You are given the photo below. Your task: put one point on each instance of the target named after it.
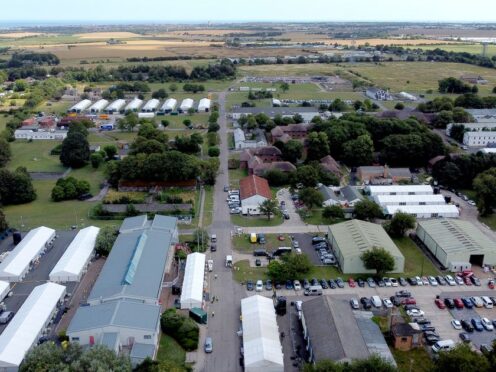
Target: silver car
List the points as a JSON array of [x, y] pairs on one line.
[[208, 345]]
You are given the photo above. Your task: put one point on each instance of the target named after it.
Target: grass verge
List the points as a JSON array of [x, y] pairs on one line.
[[252, 221], [415, 261], [171, 352], [416, 360]]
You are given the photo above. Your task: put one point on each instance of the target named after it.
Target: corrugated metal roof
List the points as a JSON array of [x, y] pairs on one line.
[[414, 189], [355, 237], [398, 199], [458, 236], [446, 210], [166, 223], [110, 340], [142, 351], [133, 223]]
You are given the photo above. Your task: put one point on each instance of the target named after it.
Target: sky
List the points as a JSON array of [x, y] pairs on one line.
[[164, 11]]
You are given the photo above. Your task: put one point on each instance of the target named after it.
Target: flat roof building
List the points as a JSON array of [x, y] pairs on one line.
[[351, 239], [399, 190], [307, 113], [194, 277], [385, 200], [457, 241], [424, 211]]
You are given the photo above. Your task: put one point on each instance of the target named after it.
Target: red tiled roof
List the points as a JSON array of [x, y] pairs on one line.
[[254, 185]]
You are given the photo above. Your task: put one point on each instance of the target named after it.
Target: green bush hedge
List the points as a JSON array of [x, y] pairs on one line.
[[183, 329]]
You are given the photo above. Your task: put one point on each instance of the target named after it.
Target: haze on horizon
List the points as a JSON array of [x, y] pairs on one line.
[[160, 11]]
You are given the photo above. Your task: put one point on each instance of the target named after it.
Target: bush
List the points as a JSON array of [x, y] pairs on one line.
[[213, 151], [56, 150], [96, 159], [183, 329], [399, 106], [333, 211], [105, 240], [69, 188]]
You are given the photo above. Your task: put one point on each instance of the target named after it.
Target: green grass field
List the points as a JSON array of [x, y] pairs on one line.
[[235, 175], [314, 217], [489, 221], [253, 221], [170, 351], [415, 259], [208, 208], [242, 243], [35, 156], [416, 360], [50, 107], [461, 47], [3, 121]]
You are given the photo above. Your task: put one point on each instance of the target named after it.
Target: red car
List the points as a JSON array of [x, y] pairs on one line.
[[490, 284], [467, 280], [440, 303], [409, 301], [351, 283], [458, 303]]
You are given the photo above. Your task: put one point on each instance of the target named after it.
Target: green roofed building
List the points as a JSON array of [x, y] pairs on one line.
[[456, 243], [351, 238]]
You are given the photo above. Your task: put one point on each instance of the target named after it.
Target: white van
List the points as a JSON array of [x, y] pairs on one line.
[[313, 290], [376, 301], [229, 261], [443, 345], [213, 239], [210, 265], [488, 304]]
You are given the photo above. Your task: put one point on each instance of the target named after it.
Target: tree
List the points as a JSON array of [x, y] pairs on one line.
[[461, 359], [173, 87], [3, 222], [183, 329], [69, 188], [400, 224], [359, 151], [75, 150], [292, 151], [269, 207], [105, 240], [318, 146], [290, 266], [399, 106], [333, 212], [284, 87], [201, 239], [129, 122], [16, 187], [5, 153], [110, 151], [485, 188], [338, 105], [307, 175], [367, 210], [311, 198], [160, 94], [378, 259], [96, 159], [457, 132], [187, 123]]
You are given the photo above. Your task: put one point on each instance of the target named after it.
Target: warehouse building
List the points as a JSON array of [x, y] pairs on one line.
[[17, 264], [479, 139], [151, 105], [424, 211], [351, 238], [194, 277], [456, 243], [261, 343], [385, 200], [134, 105], [80, 106], [115, 106], [204, 105], [76, 258], [98, 106], [28, 325], [399, 190], [186, 105], [168, 106]]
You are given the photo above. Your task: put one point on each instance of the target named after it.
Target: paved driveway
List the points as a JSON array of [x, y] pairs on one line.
[[294, 217]]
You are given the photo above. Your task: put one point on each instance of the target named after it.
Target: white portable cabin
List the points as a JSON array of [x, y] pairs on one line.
[[151, 105], [80, 106], [98, 106], [18, 262], [27, 326], [134, 105], [194, 276], [204, 105], [186, 104], [115, 106], [146, 115], [424, 211], [399, 190], [261, 343], [169, 106], [74, 261]]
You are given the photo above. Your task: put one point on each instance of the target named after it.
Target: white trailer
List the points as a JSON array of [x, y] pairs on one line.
[[204, 105], [115, 106], [186, 104]]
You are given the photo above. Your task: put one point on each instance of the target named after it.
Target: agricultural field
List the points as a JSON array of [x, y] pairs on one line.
[[465, 48]]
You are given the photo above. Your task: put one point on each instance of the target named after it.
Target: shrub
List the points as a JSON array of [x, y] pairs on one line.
[[105, 240], [213, 151], [183, 329], [69, 188], [56, 150]]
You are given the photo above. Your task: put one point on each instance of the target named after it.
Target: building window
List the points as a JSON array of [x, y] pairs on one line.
[[75, 339], [404, 339], [147, 337]]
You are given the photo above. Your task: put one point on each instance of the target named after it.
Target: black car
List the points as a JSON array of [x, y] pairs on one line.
[[431, 333], [403, 293], [450, 304], [412, 281], [477, 324], [249, 285], [332, 284], [402, 282], [411, 307], [475, 281], [467, 302], [381, 283], [361, 283], [366, 303], [340, 283], [467, 326], [427, 328], [285, 215], [278, 285], [422, 321], [314, 281], [465, 337], [289, 284], [213, 248], [323, 284], [431, 340], [319, 246], [395, 300]]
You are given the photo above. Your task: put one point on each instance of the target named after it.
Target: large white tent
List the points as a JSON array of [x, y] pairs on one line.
[[425, 211], [72, 264], [28, 324], [80, 106], [261, 344], [4, 289], [204, 105], [192, 291], [17, 263]]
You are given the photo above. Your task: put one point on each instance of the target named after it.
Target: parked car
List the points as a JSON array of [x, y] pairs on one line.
[[371, 282], [412, 281], [259, 286], [306, 284], [465, 337], [387, 303], [467, 280], [450, 280], [439, 303], [351, 283], [477, 301], [249, 285], [409, 301], [441, 280], [332, 284], [467, 326], [450, 304], [340, 283], [467, 302], [297, 285], [487, 324], [208, 347], [381, 283], [366, 303], [458, 303], [477, 324], [432, 281], [415, 313], [419, 281], [354, 304], [456, 324], [387, 282], [258, 262], [323, 284], [425, 280], [318, 239], [361, 283], [476, 281], [268, 285], [458, 280], [289, 284], [403, 293], [402, 281], [394, 282]]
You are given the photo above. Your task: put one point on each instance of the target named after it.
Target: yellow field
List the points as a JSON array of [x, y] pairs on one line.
[[386, 41], [211, 32], [18, 35], [108, 35]]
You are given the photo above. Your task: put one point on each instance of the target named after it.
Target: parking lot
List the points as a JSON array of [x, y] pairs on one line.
[[305, 244]]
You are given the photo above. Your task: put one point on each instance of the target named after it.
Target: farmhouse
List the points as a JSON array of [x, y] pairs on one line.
[[241, 143], [351, 238], [383, 175], [456, 243], [288, 132], [253, 191], [267, 154], [333, 332]]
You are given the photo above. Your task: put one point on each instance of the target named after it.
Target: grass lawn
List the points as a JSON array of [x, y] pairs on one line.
[[235, 175], [416, 360], [3, 121], [176, 121], [169, 350], [414, 259], [208, 208], [489, 221], [94, 176], [51, 107], [242, 243], [255, 221], [315, 218], [35, 156], [460, 47]]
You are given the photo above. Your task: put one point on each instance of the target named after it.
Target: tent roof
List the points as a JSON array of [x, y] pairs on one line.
[[261, 342], [23, 330], [77, 254], [193, 278], [22, 255]]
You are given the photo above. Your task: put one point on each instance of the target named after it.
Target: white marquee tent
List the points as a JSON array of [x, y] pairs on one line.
[[28, 324], [4, 289], [192, 291], [71, 265], [261, 344], [17, 263]]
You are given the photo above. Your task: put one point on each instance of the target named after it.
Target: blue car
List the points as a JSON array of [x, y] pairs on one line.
[[477, 324], [289, 284], [467, 302]]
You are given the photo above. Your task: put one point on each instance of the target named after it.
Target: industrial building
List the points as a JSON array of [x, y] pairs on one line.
[[98, 106], [17, 264], [186, 105], [115, 106], [352, 238], [80, 106], [28, 134], [28, 325], [261, 343], [400, 200], [424, 211], [168, 106], [204, 105], [151, 105], [399, 190], [456, 243], [241, 143], [307, 113], [479, 139], [194, 277], [73, 263], [134, 105], [333, 332], [123, 308], [473, 127]]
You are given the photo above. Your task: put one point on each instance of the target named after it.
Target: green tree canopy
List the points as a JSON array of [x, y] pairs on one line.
[[333, 212], [461, 359], [292, 151], [378, 259], [311, 197], [75, 150], [485, 188], [269, 208], [367, 210], [400, 224], [290, 266], [318, 146], [105, 240], [5, 153]]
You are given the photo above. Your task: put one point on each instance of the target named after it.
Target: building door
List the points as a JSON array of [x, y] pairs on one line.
[[477, 259]]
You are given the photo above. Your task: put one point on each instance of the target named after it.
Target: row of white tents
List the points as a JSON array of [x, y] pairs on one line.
[[151, 106]]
